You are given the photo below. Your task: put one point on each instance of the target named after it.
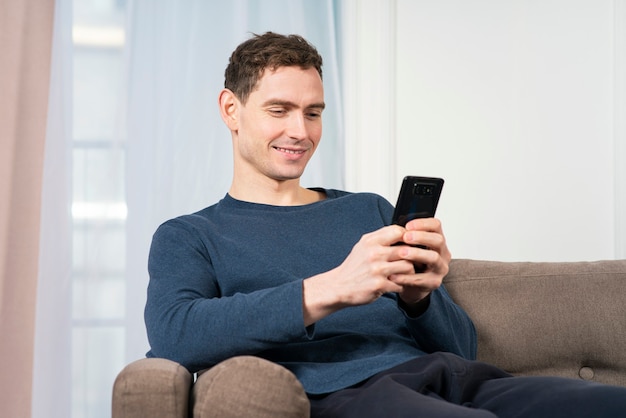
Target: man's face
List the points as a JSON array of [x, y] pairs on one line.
[[280, 125]]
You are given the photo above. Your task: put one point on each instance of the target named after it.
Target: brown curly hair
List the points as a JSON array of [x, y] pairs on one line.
[[268, 51]]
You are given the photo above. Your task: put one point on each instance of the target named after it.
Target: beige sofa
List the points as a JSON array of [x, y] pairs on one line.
[[564, 319]]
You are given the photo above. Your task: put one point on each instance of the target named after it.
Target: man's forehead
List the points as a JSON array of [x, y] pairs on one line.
[[290, 84], [285, 73]]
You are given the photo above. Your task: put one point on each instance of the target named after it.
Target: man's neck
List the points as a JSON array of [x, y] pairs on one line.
[[276, 193]]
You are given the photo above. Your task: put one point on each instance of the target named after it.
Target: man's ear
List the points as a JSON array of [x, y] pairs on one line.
[[229, 106]]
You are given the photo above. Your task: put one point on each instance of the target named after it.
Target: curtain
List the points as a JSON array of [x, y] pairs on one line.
[[25, 32], [52, 358], [160, 141]]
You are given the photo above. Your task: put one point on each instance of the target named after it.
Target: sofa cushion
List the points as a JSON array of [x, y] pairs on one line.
[[561, 318]]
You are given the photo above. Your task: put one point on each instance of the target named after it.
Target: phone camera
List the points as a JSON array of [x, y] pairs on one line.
[[423, 189]]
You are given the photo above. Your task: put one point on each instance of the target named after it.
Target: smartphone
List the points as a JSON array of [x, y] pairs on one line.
[[418, 198]]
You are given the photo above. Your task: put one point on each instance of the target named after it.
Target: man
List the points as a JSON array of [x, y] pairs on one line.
[[311, 278]]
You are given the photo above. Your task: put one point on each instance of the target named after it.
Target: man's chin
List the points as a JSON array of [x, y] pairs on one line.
[[290, 173], [288, 177]]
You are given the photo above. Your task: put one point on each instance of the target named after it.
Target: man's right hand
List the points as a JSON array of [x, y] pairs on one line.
[[362, 278]]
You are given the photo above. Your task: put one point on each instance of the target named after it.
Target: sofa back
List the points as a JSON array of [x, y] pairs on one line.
[[549, 318]]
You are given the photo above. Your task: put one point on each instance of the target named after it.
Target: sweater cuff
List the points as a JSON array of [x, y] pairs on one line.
[[416, 310]]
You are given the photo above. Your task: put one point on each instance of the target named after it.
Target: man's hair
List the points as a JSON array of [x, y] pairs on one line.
[[270, 51]]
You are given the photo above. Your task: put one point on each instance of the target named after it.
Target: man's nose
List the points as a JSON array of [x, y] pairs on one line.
[[296, 127]]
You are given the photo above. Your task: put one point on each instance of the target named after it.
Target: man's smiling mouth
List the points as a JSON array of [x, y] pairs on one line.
[[289, 151]]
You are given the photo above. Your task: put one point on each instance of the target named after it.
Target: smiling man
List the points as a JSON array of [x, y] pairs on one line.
[[310, 279]]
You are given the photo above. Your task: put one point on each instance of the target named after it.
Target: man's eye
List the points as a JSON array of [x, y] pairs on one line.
[[277, 112], [313, 115]]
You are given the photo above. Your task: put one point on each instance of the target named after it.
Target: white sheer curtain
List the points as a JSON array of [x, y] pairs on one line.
[[126, 152], [52, 357]]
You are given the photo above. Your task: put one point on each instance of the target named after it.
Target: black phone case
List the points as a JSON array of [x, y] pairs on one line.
[[418, 198]]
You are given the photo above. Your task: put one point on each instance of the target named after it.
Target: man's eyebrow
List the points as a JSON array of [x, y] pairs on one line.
[[321, 106], [291, 105]]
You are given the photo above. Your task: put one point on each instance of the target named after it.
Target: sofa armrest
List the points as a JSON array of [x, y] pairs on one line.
[[152, 387], [247, 386], [550, 318]]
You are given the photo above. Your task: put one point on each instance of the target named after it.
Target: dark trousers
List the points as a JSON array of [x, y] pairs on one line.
[[445, 385]]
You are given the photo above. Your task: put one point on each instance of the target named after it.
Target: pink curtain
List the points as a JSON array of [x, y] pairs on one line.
[[25, 46]]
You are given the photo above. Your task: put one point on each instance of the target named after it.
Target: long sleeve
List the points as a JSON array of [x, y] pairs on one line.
[[444, 326], [191, 322]]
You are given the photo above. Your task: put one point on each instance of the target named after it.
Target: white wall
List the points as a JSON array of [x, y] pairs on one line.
[[517, 104]]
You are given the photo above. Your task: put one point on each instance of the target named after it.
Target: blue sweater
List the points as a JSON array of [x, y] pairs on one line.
[[227, 281]]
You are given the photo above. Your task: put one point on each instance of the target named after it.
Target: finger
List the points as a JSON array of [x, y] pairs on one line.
[[431, 240], [425, 259], [386, 236], [425, 224], [426, 282], [401, 266], [411, 253]]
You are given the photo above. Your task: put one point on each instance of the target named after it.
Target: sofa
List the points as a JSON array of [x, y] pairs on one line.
[[532, 318]]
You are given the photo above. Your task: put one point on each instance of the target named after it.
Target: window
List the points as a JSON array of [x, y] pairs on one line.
[[98, 204]]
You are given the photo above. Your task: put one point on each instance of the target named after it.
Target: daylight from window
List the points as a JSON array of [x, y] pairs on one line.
[[98, 204]]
